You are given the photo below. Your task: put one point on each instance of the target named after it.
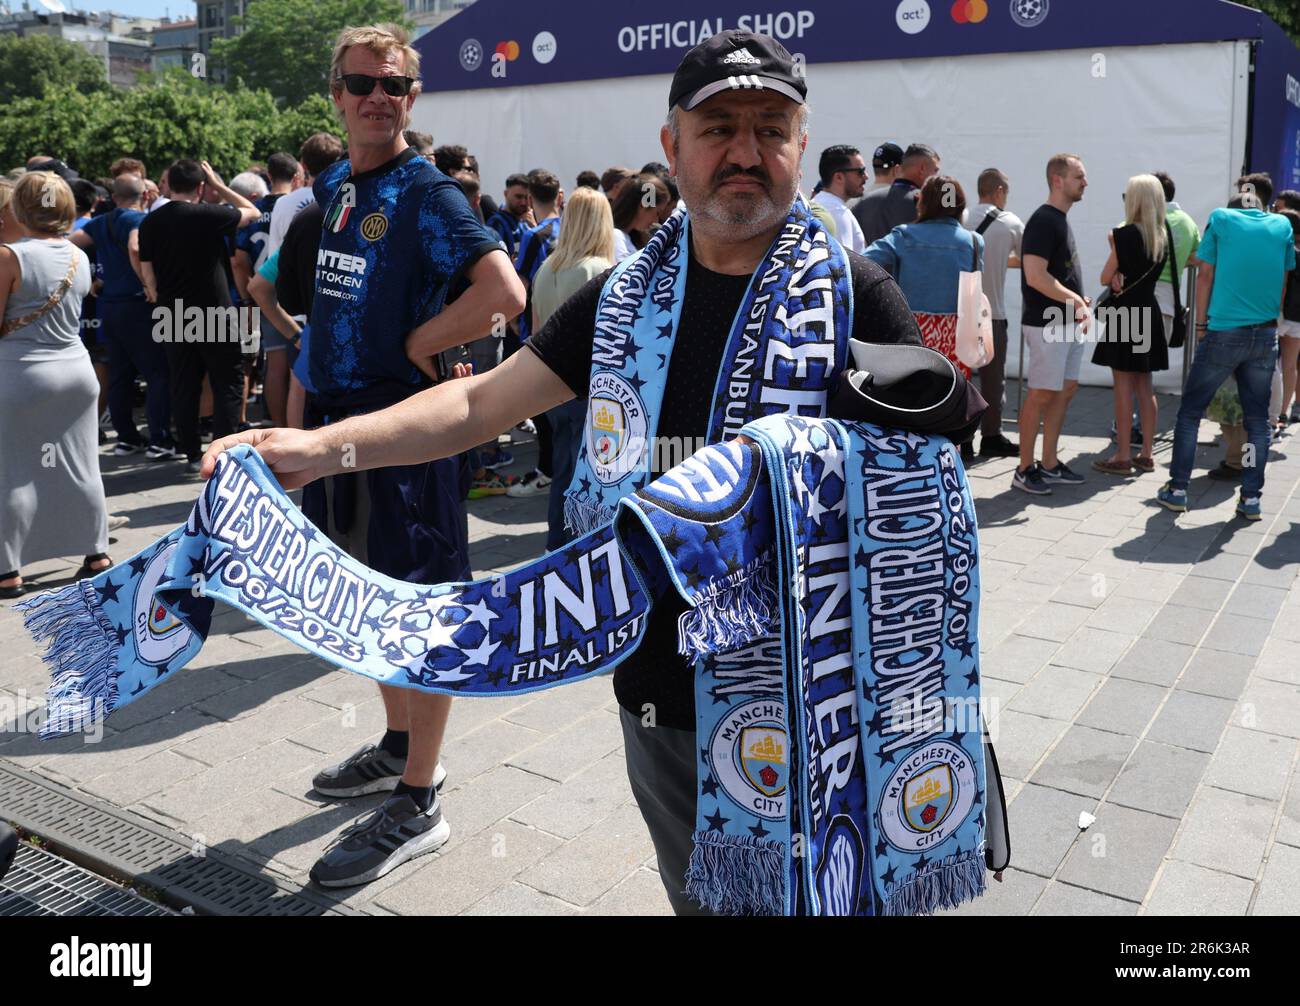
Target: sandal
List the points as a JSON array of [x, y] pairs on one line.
[[1113, 467], [1142, 464], [87, 571]]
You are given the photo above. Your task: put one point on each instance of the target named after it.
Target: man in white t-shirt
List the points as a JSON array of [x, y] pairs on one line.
[[1002, 231], [318, 152], [843, 176]]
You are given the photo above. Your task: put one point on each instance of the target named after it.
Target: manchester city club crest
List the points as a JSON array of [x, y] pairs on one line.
[[609, 429], [928, 797], [749, 753], [159, 635], [616, 428]]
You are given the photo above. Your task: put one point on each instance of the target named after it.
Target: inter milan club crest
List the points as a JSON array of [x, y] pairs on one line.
[[616, 428], [374, 226], [159, 635], [928, 797], [341, 211], [749, 754]]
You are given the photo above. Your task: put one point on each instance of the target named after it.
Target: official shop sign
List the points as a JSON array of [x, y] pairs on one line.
[[686, 34]]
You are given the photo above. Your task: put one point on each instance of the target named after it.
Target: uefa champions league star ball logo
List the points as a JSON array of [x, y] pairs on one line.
[[471, 54], [442, 631], [1029, 13]]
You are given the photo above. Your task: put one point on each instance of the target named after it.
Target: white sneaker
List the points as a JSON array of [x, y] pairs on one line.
[[532, 484]]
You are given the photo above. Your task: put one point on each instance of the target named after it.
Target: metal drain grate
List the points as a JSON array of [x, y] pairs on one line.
[[121, 844], [39, 883]]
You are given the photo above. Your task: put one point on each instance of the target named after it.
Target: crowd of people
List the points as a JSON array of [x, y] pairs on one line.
[[358, 339]]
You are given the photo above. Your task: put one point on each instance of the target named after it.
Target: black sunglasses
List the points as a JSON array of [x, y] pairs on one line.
[[362, 84], [857, 171]]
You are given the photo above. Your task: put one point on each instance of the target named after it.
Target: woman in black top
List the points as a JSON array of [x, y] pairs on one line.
[[1131, 331], [1288, 331]]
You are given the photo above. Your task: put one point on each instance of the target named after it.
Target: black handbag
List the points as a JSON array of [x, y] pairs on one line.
[[1179, 334]]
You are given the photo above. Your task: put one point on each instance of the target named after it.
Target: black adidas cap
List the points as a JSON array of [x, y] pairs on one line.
[[887, 155], [736, 60]]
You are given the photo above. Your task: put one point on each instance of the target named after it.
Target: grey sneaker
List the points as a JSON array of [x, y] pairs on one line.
[[379, 842], [1061, 473], [370, 769]]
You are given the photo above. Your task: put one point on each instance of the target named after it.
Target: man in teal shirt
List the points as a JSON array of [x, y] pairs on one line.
[[1244, 257]]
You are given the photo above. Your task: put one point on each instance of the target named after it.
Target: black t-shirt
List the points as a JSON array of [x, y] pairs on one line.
[[186, 242], [1291, 302], [1048, 235], [656, 674], [295, 284]]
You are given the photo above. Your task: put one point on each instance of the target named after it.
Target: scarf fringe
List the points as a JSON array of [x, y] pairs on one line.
[[946, 884], [730, 612], [82, 653], [736, 875], [583, 514]]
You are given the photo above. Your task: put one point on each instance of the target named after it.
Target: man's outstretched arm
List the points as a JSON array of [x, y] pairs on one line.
[[444, 420]]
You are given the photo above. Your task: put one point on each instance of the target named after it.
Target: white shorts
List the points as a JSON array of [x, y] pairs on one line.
[[1289, 329], [1055, 356]]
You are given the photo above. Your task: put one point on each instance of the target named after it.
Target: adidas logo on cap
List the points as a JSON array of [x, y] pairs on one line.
[[741, 56]]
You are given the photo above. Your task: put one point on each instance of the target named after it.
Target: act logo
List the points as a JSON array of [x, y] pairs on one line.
[[471, 54], [970, 11], [913, 16], [1029, 13], [544, 47]]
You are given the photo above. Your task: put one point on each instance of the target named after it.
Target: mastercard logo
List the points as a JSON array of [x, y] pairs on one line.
[[970, 11], [510, 50]]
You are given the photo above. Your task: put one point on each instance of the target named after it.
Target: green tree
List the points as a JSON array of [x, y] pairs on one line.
[[285, 45], [30, 64], [315, 114], [1285, 12]]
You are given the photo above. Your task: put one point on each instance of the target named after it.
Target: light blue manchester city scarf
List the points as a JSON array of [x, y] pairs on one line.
[[828, 572]]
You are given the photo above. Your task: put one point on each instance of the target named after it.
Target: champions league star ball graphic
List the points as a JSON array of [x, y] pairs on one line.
[[471, 54], [437, 637], [1029, 13]]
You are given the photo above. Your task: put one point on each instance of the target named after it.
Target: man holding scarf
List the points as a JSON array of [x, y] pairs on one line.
[[677, 346]]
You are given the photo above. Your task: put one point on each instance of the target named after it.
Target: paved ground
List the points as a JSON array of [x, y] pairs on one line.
[[1140, 669]]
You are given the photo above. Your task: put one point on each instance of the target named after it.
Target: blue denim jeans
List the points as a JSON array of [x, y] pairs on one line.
[[1249, 354], [128, 331], [567, 425]]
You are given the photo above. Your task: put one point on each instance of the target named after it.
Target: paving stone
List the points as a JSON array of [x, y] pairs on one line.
[[1188, 889], [582, 870], [189, 688], [1201, 592], [449, 884], [1122, 706], [1280, 882], [247, 820], [1270, 706], [341, 689], [1128, 615], [1091, 649], [1064, 899], [298, 845], [593, 794], [120, 749], [1213, 672], [640, 894], [1160, 779], [559, 707], [483, 801], [1054, 621], [519, 899], [1238, 634], [1177, 624], [1154, 661], [342, 731], [1189, 720], [219, 741], [230, 780], [1085, 761], [1020, 740], [1018, 658], [1255, 601], [1015, 895], [1087, 590], [1051, 570], [1226, 832], [1057, 692], [1289, 827], [483, 749], [1120, 853], [566, 752], [1223, 566], [1044, 824], [141, 779], [1253, 763], [1278, 661]]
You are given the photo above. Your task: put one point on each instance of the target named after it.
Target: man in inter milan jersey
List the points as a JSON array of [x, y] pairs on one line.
[[398, 242], [736, 151], [512, 216]]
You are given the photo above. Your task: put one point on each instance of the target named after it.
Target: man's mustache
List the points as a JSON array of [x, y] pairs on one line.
[[756, 173]]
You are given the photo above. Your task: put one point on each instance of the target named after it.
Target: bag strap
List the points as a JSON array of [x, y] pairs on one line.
[[1173, 256], [974, 255], [988, 220], [1146, 275], [13, 324]]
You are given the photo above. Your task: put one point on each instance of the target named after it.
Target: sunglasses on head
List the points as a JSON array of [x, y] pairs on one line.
[[362, 84]]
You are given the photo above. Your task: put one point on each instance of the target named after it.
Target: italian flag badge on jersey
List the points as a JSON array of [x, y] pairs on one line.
[[338, 216]]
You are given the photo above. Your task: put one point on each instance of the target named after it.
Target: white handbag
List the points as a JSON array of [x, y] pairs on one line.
[[974, 318]]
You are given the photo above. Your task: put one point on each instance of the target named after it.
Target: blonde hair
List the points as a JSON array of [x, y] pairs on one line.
[[1144, 207], [587, 231], [378, 38], [6, 193], [42, 202]]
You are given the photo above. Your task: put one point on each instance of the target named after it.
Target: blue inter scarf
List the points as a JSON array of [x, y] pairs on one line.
[[787, 345], [838, 774]]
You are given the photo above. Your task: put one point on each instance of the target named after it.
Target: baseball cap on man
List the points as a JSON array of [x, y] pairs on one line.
[[57, 167], [736, 60], [887, 155]]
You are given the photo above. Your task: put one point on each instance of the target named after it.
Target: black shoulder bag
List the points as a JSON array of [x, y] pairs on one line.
[[1179, 334]]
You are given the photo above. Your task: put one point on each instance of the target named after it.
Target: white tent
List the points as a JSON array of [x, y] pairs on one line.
[[586, 90]]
